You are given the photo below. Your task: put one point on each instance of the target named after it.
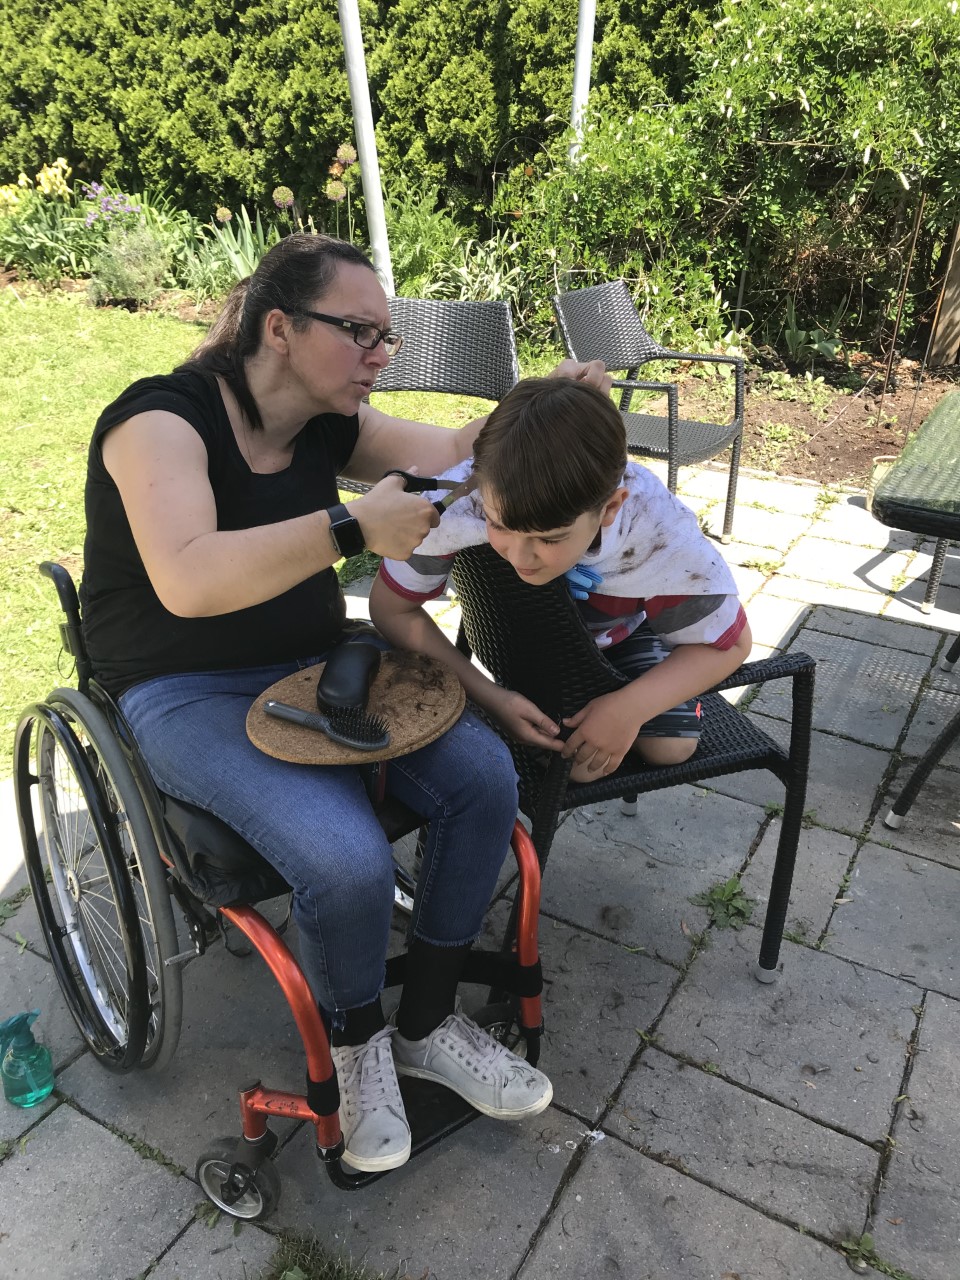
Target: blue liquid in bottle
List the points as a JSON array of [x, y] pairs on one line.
[[27, 1068]]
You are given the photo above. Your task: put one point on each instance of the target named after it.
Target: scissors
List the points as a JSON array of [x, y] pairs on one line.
[[426, 484]]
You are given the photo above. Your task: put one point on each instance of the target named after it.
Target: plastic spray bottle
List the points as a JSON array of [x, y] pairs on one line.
[[27, 1068]]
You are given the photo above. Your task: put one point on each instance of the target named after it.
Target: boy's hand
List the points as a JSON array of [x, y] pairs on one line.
[[521, 719], [602, 734]]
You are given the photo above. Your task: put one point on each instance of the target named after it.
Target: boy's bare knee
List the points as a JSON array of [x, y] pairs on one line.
[[665, 750]]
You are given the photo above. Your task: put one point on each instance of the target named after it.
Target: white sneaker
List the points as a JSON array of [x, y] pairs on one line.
[[372, 1119], [461, 1055]]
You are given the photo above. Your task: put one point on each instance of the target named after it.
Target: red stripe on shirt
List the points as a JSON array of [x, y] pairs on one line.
[[656, 604], [732, 633], [616, 606], [407, 594]]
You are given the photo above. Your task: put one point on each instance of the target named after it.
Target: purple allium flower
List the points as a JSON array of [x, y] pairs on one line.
[[335, 190], [223, 214], [346, 154], [282, 197]]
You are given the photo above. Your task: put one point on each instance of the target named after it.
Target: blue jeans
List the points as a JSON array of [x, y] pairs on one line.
[[316, 826]]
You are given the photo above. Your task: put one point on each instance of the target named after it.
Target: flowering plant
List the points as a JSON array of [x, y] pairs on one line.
[[108, 208], [343, 177]]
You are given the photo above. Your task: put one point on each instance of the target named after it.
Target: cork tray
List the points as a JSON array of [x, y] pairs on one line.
[[418, 697]]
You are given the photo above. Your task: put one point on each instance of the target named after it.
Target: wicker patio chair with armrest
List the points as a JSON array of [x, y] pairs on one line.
[[533, 640], [602, 323], [461, 348]]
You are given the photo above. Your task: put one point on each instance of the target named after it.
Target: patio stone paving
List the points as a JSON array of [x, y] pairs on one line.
[[703, 1125]]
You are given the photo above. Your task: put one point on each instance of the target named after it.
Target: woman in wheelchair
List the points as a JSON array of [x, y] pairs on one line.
[[213, 525]]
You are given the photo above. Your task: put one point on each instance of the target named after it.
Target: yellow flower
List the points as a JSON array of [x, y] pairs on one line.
[[23, 180], [52, 179]]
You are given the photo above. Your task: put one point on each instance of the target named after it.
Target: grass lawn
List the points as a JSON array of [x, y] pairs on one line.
[[61, 362]]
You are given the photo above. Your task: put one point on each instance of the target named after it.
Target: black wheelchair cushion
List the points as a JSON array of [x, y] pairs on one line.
[[220, 868], [213, 861]]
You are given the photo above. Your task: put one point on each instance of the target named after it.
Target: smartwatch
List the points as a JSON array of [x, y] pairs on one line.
[[345, 531]]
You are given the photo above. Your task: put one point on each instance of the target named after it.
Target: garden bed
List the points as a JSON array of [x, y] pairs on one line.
[[829, 427]]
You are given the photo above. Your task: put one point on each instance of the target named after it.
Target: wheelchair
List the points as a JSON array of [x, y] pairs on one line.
[[108, 856]]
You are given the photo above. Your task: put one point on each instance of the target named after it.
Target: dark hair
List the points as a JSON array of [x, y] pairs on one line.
[[551, 450], [296, 271]]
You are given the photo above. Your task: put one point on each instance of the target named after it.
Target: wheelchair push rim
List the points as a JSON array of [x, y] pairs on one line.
[[128, 814], [88, 911]]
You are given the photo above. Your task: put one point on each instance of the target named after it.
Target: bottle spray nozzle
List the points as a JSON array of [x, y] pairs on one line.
[[16, 1031]]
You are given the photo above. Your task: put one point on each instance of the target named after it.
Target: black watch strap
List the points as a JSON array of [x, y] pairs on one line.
[[345, 531]]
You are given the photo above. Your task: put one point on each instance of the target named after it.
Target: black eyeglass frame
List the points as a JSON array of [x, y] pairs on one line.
[[355, 327]]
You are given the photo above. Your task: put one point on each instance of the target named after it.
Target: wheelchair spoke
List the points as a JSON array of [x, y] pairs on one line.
[[112, 973], [104, 934]]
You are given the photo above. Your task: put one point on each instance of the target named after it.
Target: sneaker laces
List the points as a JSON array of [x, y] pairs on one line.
[[488, 1054], [371, 1080]]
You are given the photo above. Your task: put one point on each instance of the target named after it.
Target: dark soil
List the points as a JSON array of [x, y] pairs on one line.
[[828, 427]]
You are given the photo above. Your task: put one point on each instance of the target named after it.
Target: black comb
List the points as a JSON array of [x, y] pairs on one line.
[[350, 726]]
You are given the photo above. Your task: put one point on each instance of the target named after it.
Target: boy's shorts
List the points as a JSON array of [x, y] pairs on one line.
[[640, 651]]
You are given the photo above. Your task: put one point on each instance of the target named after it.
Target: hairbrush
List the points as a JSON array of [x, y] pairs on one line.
[[350, 726]]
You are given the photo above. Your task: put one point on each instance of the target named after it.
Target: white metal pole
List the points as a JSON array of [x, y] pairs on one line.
[[366, 142], [582, 64]]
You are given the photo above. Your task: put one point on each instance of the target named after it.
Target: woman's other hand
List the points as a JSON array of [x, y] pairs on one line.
[[590, 371]]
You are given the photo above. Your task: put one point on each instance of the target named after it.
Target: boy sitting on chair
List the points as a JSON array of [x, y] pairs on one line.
[[555, 495]]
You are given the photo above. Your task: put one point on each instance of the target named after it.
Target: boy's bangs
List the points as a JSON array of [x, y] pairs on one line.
[[538, 494]]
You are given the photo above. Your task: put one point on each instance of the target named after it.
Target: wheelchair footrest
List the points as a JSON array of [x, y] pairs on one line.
[[433, 1111]]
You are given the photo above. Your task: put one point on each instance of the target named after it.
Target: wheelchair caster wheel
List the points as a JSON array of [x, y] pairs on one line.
[[500, 1022], [250, 1194]]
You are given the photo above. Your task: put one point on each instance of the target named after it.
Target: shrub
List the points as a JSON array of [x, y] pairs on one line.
[[129, 267], [421, 235], [165, 95]]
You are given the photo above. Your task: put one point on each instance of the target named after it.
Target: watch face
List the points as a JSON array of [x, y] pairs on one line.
[[348, 536]]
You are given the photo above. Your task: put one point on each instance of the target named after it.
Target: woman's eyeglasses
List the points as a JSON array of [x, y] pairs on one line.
[[364, 335]]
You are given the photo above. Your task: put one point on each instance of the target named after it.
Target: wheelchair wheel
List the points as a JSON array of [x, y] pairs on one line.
[[79, 862], [260, 1194], [82, 893], [145, 867], [500, 1021]]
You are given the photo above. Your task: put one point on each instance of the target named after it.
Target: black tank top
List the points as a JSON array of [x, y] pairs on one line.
[[129, 635]]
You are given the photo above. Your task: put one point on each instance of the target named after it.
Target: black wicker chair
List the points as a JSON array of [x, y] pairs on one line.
[[504, 622], [461, 348], [602, 323]]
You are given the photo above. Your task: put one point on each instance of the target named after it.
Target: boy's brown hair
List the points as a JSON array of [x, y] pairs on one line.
[[551, 450]]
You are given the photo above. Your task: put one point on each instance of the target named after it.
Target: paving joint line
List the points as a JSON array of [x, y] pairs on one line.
[[771, 1214], [877, 1145]]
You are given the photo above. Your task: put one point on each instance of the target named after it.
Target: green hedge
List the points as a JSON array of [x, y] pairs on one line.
[[778, 146], [217, 103], [220, 103]]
